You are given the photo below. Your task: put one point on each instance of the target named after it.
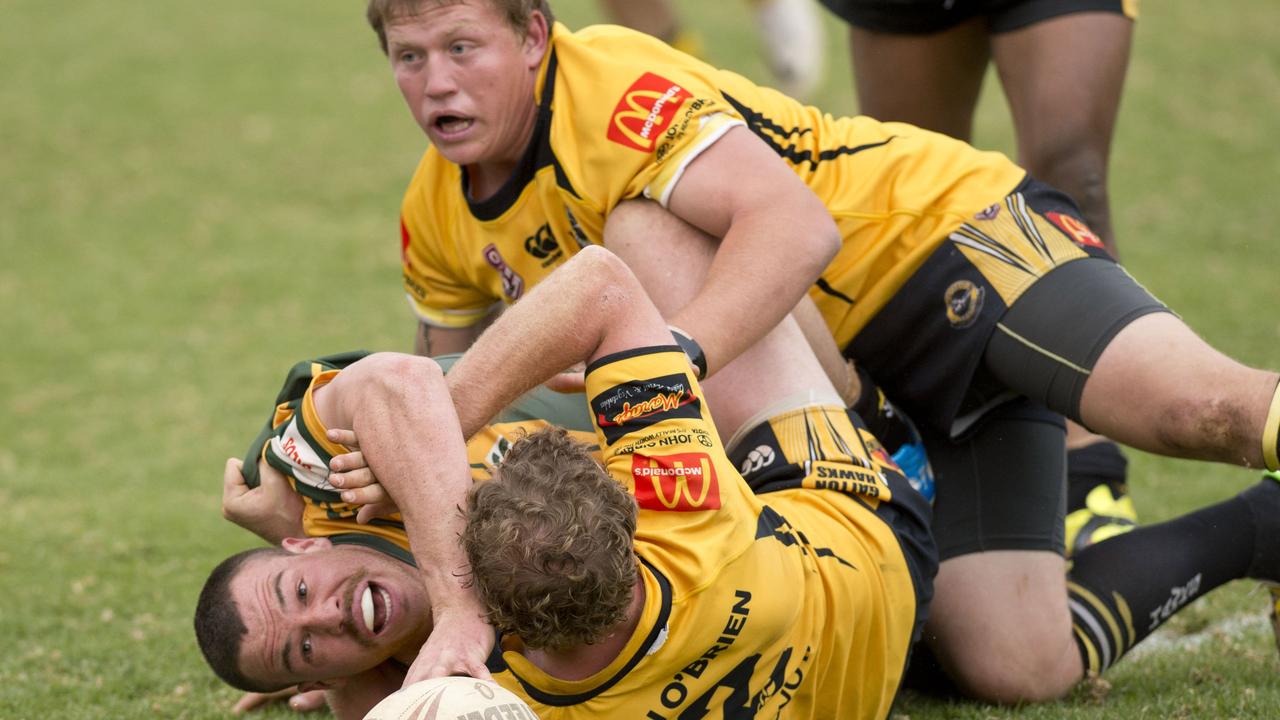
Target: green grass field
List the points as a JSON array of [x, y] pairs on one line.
[[195, 195]]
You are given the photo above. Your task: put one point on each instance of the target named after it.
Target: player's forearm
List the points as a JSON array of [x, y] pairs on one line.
[[763, 268], [357, 696], [583, 310], [399, 407]]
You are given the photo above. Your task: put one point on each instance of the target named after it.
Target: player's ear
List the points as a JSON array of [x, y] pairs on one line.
[[535, 39], [298, 546]]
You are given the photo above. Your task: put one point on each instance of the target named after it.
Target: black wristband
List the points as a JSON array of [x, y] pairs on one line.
[[692, 350]]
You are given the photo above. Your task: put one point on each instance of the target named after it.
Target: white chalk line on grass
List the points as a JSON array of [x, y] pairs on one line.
[[1163, 641]]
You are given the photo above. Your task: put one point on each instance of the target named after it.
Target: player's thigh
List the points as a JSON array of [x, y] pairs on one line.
[[931, 80], [1063, 78]]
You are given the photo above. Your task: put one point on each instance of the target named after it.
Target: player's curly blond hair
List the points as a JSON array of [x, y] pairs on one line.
[[517, 12], [551, 543]]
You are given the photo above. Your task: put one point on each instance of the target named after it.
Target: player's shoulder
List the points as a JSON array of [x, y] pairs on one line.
[[435, 181], [609, 57]]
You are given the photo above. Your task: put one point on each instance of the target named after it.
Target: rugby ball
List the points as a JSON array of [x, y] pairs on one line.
[[452, 698]]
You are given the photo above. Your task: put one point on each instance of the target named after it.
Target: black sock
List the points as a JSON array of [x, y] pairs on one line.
[[1123, 589], [1093, 465]]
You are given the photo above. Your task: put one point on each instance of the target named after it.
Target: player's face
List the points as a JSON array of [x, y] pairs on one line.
[[325, 612], [468, 78]]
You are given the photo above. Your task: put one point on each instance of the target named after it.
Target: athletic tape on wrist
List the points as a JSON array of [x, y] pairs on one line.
[[1271, 433], [692, 350]]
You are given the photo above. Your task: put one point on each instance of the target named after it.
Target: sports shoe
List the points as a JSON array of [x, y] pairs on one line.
[[1107, 512], [1098, 502], [791, 34]]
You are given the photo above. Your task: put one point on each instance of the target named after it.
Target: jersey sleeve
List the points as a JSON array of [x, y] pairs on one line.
[[435, 281], [656, 439], [638, 113]]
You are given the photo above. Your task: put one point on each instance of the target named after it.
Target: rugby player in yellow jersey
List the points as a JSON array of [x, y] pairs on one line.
[[974, 295], [692, 620]]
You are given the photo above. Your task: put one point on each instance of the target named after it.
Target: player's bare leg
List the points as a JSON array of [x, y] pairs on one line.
[[928, 80], [1063, 78], [653, 17], [1161, 388], [1000, 627]]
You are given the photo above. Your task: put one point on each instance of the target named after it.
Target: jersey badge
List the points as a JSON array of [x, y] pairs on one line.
[[1076, 230], [683, 482], [963, 300], [512, 283], [646, 109]]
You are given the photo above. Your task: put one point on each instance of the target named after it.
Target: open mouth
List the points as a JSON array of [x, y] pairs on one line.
[[452, 124], [375, 607]]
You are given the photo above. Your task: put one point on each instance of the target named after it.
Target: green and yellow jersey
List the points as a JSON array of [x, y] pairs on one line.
[[798, 604], [621, 115], [293, 442]]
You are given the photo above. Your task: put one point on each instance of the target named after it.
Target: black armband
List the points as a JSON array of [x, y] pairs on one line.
[[692, 350]]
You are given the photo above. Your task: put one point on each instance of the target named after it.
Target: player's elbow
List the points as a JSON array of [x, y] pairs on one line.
[[819, 235], [389, 374]]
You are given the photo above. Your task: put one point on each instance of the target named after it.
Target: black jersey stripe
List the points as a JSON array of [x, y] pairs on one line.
[[537, 156], [825, 287], [766, 129]]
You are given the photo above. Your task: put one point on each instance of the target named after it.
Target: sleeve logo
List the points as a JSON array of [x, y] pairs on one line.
[[640, 403], [685, 482], [1076, 230], [646, 109]]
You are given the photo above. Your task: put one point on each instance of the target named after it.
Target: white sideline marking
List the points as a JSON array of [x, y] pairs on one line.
[[1162, 641]]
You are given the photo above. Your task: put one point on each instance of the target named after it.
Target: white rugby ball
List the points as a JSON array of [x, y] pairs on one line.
[[452, 698]]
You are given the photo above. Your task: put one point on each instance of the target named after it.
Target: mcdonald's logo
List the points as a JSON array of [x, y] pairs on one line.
[[683, 482], [1076, 229], [645, 111]]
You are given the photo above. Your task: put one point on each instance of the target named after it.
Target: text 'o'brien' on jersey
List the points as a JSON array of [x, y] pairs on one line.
[[294, 442], [716, 637], [622, 115]]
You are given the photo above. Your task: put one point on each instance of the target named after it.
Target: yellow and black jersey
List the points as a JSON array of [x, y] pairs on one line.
[[294, 442], [620, 116], [795, 605]]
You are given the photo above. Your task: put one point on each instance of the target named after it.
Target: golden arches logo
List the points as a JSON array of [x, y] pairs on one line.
[[682, 483], [645, 111]]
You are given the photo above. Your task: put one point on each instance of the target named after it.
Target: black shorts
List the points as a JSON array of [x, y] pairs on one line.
[[1018, 302], [985, 347], [1004, 486], [769, 464], [920, 17]]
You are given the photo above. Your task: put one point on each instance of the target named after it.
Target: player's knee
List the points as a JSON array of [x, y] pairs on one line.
[[1026, 671], [1071, 166]]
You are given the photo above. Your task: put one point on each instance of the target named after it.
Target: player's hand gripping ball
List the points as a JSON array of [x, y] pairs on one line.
[[452, 698]]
